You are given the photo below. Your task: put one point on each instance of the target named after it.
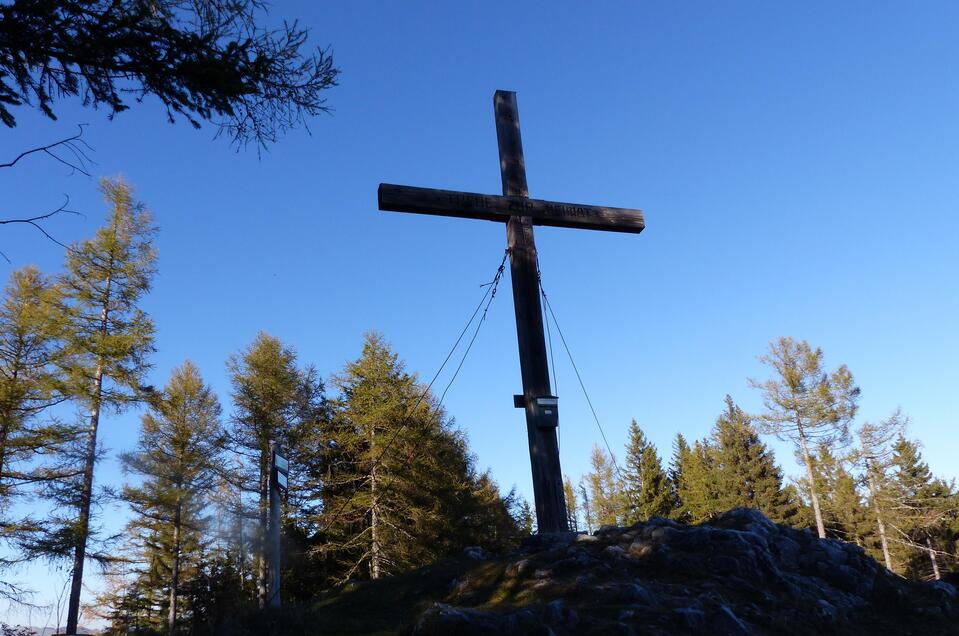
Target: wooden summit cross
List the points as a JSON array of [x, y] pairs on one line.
[[520, 213]]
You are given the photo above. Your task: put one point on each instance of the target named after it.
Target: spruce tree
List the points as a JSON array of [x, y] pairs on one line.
[[926, 508], [842, 508], [647, 490], [677, 478], [698, 486], [636, 444], [401, 489], [274, 399], [108, 341], [806, 405], [178, 455], [747, 473]]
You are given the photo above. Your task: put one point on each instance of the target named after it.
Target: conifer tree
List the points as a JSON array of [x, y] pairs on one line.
[[843, 513], [572, 507], [747, 473], [526, 520], [926, 506], [607, 499], [636, 444], [698, 486], [178, 455], [587, 506], [805, 404], [273, 400], [677, 479], [107, 343], [401, 486], [875, 455], [647, 490], [29, 351]]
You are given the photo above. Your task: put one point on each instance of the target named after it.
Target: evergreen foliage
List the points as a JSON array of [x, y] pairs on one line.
[[926, 511], [204, 60], [647, 489], [402, 489], [747, 474]]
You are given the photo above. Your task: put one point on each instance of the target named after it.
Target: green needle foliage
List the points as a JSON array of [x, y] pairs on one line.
[[844, 514], [275, 402], [572, 504], [747, 474], [926, 510], [805, 404], [402, 489], [30, 350], [178, 454], [607, 497], [647, 489], [107, 344], [202, 59]]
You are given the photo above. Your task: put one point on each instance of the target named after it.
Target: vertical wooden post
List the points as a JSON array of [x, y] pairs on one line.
[[543, 449], [273, 545]]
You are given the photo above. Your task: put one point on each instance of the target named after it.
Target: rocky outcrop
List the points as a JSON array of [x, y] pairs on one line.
[[739, 574]]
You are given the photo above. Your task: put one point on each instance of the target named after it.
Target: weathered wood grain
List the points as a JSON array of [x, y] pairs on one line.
[[470, 205], [533, 363]]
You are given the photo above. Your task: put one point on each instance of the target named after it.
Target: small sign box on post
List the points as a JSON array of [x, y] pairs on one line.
[[282, 466]]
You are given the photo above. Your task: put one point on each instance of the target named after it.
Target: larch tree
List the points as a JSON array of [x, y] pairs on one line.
[[178, 456], [805, 404], [572, 506], [747, 473], [606, 490], [108, 342], [273, 399], [587, 506], [30, 348]]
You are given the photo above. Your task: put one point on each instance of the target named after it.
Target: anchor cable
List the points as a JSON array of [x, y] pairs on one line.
[[487, 299], [602, 433]]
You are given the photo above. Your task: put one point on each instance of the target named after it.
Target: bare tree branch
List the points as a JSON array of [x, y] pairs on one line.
[[75, 145], [35, 222]]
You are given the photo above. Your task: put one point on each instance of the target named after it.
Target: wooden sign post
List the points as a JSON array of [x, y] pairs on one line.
[[520, 213]]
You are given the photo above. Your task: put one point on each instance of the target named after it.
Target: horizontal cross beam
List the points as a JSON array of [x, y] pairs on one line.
[[468, 205]]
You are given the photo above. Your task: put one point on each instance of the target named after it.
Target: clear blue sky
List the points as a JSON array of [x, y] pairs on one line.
[[797, 165]]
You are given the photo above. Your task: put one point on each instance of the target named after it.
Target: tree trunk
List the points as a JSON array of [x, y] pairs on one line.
[[879, 523], [86, 495], [820, 526], [932, 557], [375, 555], [175, 578], [261, 565]]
